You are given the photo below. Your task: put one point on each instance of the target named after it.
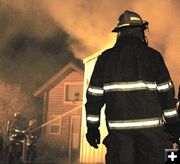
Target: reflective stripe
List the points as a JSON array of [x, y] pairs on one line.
[[138, 85], [135, 18], [95, 91], [93, 118], [123, 25], [19, 131], [135, 124], [164, 86], [170, 112], [130, 86]]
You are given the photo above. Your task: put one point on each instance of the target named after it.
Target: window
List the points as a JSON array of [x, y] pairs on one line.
[[55, 126], [73, 92]]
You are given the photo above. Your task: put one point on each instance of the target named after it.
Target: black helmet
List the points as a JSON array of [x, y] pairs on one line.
[[130, 19]]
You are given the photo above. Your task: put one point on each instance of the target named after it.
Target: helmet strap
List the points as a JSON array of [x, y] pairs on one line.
[[145, 39]]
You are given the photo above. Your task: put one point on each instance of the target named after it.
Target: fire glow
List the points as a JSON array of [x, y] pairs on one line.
[[90, 24]]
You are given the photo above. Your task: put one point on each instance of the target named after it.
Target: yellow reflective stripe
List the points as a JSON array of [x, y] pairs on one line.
[[170, 112], [162, 87], [135, 18], [123, 25], [130, 86], [137, 85], [134, 124], [93, 118], [95, 91]]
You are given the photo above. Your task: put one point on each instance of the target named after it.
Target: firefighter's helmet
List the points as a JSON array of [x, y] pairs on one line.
[[130, 19]]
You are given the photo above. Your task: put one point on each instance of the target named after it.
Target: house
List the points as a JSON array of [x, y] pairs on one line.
[[62, 106], [89, 154], [64, 99]]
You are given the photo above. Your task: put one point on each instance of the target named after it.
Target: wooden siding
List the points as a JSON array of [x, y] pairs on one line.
[[57, 106], [57, 95], [87, 153]]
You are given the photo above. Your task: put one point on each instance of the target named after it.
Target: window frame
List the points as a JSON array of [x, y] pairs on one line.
[[72, 83], [55, 124]]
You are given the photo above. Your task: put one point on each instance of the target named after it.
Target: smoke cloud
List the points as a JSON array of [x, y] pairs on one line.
[[31, 49], [90, 24], [30, 44], [164, 33]]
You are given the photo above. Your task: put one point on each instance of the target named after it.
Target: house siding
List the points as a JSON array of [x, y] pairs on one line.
[[57, 94], [87, 153], [57, 106]]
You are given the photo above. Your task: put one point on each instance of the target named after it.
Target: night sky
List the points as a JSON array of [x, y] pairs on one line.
[[32, 47]]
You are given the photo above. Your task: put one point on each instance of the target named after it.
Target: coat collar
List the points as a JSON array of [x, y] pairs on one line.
[[128, 40]]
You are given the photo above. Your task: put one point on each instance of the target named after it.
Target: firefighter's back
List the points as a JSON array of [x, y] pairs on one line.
[[130, 81]]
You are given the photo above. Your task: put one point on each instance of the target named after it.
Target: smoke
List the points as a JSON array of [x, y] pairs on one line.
[[24, 17], [164, 34], [90, 24], [32, 48]]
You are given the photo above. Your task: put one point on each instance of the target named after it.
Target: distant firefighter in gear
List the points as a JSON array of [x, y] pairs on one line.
[[17, 123], [132, 80], [31, 140]]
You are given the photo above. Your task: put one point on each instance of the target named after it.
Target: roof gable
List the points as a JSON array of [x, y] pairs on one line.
[[59, 76]]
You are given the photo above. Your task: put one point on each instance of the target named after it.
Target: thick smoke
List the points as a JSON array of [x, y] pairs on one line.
[[164, 33], [30, 44], [32, 48], [90, 24]]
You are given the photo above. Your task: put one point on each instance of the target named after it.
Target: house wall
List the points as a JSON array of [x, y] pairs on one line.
[[57, 102], [58, 106], [87, 153]]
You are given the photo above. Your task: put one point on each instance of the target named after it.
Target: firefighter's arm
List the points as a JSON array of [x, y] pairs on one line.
[[95, 96], [167, 99]]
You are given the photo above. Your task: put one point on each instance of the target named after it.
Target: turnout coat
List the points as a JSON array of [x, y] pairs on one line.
[[132, 80]]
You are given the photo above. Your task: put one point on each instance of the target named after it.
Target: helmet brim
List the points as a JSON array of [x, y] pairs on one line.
[[144, 26]]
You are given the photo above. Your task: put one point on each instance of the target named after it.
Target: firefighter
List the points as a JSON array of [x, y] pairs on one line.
[[32, 135], [132, 80], [32, 128], [17, 123], [32, 124]]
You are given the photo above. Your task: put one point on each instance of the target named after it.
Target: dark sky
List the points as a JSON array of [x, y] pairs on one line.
[[32, 47]]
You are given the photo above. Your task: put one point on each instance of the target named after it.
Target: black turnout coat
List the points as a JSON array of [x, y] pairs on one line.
[[132, 80]]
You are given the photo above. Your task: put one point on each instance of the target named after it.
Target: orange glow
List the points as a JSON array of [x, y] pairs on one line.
[[90, 24]]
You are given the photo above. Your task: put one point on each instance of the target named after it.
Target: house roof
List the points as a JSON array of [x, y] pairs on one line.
[[55, 79]]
